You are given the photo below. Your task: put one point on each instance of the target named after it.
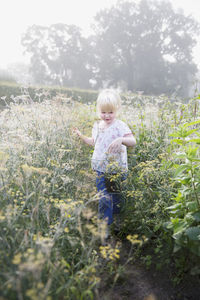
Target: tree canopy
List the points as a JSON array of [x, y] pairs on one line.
[[141, 46], [59, 55]]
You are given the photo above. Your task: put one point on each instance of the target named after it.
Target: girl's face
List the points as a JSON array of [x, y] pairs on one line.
[[108, 116]]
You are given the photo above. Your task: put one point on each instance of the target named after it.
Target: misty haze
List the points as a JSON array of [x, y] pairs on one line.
[[99, 150]]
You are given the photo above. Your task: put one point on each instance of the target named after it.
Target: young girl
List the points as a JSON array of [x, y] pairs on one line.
[[110, 137]]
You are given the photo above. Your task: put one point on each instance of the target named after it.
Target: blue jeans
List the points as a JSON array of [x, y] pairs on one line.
[[109, 203]]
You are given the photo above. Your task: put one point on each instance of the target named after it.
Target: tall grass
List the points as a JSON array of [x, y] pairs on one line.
[[44, 194], [49, 237]]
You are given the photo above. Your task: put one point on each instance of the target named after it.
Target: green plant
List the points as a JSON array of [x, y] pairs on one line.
[[185, 212]]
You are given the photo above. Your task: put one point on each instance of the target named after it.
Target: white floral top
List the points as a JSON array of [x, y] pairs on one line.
[[101, 160]]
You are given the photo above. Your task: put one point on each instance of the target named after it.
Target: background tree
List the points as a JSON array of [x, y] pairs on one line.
[[147, 45], [59, 55], [142, 45]]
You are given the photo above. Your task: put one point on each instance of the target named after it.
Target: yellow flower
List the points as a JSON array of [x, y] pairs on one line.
[[17, 259], [29, 170], [110, 253], [3, 156], [40, 285], [134, 239], [66, 229], [2, 217]]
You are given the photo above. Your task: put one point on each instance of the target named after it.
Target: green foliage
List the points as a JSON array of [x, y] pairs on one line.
[[10, 92], [49, 229], [47, 247], [185, 213], [162, 189], [148, 186]]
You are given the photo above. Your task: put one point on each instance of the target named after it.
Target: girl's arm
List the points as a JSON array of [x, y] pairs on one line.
[[85, 139], [128, 141]]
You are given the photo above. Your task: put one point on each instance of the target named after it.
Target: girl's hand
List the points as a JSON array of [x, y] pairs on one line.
[[85, 139], [115, 146], [76, 131]]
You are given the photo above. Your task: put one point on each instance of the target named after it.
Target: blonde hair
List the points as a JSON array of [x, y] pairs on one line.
[[108, 100]]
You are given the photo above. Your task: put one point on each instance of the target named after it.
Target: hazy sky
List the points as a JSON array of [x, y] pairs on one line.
[[17, 15]]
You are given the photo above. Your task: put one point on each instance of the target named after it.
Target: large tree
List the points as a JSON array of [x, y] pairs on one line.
[[59, 55], [146, 45], [142, 45]]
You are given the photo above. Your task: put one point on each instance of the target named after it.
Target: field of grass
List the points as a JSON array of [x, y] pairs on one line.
[[50, 242]]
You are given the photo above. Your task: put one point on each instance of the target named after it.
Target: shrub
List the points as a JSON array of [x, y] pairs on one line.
[[9, 92]]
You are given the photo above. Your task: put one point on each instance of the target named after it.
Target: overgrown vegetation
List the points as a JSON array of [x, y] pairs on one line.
[[13, 92], [164, 202], [50, 242]]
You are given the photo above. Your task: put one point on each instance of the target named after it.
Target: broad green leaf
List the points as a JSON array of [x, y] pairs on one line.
[[178, 141], [178, 236], [179, 227], [197, 141], [192, 123], [180, 170], [181, 156], [196, 215], [157, 227], [74, 291], [193, 233], [168, 225], [179, 196], [185, 180], [187, 133], [192, 152], [194, 159], [189, 218], [86, 294], [174, 212], [195, 270], [198, 134], [192, 205], [179, 133], [175, 206], [174, 221], [176, 248], [193, 247], [175, 134], [182, 132]]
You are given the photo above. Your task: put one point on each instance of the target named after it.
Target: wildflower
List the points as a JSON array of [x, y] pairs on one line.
[[64, 150], [134, 239], [32, 294], [65, 263], [66, 229], [17, 259], [3, 156], [54, 163], [130, 193], [92, 229], [2, 217], [29, 170], [110, 253], [88, 213]]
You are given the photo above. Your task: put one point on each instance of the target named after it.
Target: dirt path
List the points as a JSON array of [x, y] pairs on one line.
[[138, 283]]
